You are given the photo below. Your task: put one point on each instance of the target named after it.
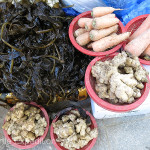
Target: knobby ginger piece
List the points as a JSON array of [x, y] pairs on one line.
[[102, 71], [119, 60], [140, 85], [132, 62], [128, 70], [119, 80], [102, 90], [81, 135], [122, 90], [24, 123], [141, 74]]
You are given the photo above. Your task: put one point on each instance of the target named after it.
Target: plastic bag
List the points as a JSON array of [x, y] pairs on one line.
[[83, 5], [120, 3], [139, 1], [141, 9], [126, 5], [70, 12]]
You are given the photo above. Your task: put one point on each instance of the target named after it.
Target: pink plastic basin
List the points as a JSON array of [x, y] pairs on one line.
[[24, 145], [74, 26], [87, 147], [90, 87], [132, 27]]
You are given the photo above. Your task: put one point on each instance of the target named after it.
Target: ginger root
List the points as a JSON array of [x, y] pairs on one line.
[[73, 132], [119, 80], [24, 123]]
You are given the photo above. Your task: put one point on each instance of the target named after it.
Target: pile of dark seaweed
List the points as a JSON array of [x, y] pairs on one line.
[[37, 61]]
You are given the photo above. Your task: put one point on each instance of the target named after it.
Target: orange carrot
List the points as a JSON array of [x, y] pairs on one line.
[[88, 25], [83, 39], [82, 21], [101, 23], [101, 11], [146, 53], [98, 34], [143, 27], [109, 41], [139, 44], [89, 45], [79, 32]]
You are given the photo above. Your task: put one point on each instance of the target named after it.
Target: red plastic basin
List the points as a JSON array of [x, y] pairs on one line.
[[74, 26], [87, 147], [24, 145], [90, 87], [132, 27]]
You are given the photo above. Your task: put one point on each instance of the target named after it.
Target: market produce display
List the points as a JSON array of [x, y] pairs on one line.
[[24, 123], [142, 36], [98, 33], [120, 80], [73, 132], [37, 61]]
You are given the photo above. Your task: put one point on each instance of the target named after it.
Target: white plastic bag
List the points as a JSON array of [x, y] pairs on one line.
[[83, 5]]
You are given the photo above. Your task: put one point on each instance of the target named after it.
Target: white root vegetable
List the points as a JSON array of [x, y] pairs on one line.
[[99, 46], [98, 34], [83, 39], [102, 23], [101, 11], [109, 41], [88, 25], [137, 46], [109, 16], [143, 27], [79, 32], [89, 46], [82, 21]]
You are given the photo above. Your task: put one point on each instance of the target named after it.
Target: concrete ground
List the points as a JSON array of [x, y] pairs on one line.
[[127, 133]]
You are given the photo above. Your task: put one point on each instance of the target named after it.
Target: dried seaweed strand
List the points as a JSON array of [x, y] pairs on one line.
[[53, 64], [44, 31], [12, 64], [60, 17], [56, 48], [54, 99], [48, 44], [29, 78], [2, 31], [63, 91], [61, 61], [50, 99]]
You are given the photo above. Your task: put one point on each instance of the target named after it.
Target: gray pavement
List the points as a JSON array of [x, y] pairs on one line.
[[127, 133]]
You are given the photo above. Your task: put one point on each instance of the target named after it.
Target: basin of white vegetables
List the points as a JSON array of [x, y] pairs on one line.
[[84, 49], [40, 125], [122, 106]]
